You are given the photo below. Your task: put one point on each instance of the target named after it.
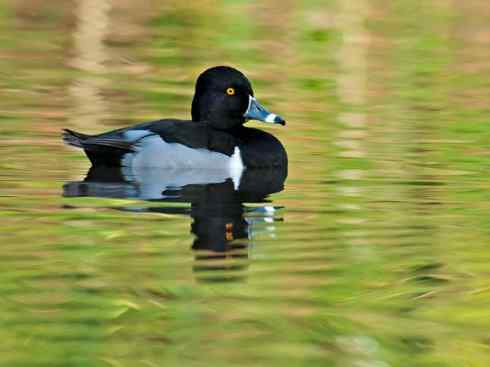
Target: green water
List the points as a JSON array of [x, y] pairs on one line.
[[378, 252]]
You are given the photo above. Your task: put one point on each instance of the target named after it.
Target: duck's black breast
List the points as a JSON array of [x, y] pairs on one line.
[[260, 149]]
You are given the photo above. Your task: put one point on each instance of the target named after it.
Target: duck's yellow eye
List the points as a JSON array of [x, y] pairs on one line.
[[230, 91]]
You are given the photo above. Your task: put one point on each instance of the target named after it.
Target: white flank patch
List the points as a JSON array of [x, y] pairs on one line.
[[236, 168], [270, 210], [194, 166]]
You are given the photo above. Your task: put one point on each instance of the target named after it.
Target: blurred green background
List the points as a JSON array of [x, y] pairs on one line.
[[382, 258]]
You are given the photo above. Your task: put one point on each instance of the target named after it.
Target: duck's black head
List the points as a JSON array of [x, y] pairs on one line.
[[224, 98]]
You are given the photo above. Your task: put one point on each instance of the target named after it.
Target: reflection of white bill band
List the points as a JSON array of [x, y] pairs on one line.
[[270, 117], [269, 209]]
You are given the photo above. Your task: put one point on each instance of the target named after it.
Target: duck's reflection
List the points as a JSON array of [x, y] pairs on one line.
[[223, 226]]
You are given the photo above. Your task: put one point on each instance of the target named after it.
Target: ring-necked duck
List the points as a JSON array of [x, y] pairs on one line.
[[214, 139]]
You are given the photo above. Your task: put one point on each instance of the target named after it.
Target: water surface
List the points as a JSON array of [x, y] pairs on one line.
[[375, 252]]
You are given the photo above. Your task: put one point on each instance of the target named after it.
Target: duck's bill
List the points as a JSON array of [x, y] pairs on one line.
[[256, 111]]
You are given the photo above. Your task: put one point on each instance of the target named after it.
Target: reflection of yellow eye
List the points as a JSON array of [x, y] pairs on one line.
[[230, 91]]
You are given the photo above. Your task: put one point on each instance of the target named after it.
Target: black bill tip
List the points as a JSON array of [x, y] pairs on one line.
[[279, 120]]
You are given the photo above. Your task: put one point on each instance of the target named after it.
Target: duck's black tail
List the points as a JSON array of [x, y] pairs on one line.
[[101, 151], [73, 138]]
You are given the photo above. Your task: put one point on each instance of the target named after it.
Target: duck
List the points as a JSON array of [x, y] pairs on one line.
[[214, 139]]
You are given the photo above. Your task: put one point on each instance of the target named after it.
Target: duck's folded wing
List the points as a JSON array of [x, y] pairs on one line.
[[108, 148]]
